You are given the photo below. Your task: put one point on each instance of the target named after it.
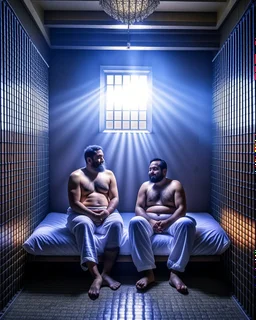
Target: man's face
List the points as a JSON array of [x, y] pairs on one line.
[[155, 173], [98, 161]]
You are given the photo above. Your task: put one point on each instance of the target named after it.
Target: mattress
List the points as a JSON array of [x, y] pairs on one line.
[[52, 238]]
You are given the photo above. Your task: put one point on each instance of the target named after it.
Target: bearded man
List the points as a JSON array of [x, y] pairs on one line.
[[161, 209], [93, 199]]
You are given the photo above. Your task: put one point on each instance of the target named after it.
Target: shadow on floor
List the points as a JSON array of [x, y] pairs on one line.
[[207, 277]]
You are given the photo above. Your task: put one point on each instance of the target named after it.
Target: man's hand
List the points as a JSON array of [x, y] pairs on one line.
[[154, 224], [99, 216], [161, 225]]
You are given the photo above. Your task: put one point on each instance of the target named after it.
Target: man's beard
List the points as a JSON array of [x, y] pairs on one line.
[[156, 179], [99, 167]]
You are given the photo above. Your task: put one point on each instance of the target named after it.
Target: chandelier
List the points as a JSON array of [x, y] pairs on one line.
[[129, 11]]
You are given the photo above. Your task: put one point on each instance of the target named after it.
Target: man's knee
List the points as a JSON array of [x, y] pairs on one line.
[[136, 222], [81, 223], [114, 235], [187, 223], [116, 226]]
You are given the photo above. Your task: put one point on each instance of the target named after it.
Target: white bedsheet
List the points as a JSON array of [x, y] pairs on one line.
[[52, 238]]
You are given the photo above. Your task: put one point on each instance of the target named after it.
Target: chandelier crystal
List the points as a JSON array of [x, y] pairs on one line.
[[129, 11]]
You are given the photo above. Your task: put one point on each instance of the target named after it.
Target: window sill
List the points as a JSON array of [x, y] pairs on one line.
[[126, 131]]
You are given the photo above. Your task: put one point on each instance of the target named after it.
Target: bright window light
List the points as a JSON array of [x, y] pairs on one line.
[[126, 99]]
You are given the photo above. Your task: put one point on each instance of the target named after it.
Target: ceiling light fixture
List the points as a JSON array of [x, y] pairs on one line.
[[129, 11]]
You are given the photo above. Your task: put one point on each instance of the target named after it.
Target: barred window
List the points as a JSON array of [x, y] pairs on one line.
[[126, 99]]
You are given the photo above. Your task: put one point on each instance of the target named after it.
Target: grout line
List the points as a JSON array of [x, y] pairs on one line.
[[3, 313], [240, 307]]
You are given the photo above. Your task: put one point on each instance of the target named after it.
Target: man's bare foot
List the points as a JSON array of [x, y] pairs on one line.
[[113, 284], [144, 282], [94, 290], [176, 282]]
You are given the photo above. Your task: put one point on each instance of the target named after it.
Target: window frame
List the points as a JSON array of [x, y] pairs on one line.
[[123, 70]]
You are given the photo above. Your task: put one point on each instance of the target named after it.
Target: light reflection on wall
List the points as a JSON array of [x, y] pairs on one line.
[[128, 155], [241, 229]]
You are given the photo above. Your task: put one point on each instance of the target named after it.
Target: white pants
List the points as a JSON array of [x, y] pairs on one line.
[[140, 233], [93, 240]]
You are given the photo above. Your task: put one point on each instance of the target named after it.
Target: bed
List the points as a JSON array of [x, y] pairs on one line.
[[52, 241]]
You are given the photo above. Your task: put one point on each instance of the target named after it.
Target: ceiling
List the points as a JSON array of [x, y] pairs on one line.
[[174, 25]]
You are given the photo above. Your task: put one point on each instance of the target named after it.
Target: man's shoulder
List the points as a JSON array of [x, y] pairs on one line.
[[146, 184], [175, 184], [108, 172], [77, 173]]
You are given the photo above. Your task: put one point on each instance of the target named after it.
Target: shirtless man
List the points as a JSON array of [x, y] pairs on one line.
[[93, 199], [161, 208]]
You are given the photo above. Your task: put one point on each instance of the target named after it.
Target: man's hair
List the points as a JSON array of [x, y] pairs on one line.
[[162, 164], [90, 151]]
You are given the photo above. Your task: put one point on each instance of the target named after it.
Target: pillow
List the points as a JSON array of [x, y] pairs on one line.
[[52, 237], [211, 239]]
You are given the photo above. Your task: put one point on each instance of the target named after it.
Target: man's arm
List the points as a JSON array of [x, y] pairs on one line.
[[113, 194], [141, 202], [179, 202], [74, 196]]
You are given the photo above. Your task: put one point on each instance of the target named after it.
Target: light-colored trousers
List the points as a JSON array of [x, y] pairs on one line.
[[140, 233], [93, 240]]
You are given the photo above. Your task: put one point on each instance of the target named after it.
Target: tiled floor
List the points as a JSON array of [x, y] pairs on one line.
[[61, 294]]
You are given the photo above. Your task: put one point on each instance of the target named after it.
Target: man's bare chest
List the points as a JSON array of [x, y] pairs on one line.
[[164, 197], [96, 185]]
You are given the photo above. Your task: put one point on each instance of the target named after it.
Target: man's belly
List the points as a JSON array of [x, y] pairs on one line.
[[159, 212], [159, 209], [158, 216], [95, 199]]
